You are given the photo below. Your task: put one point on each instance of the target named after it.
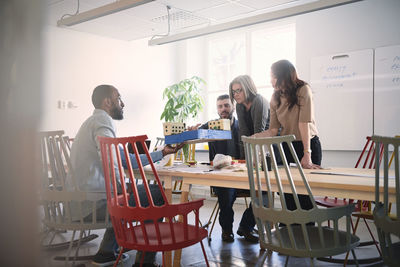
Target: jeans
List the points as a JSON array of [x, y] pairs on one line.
[[109, 243], [226, 198]]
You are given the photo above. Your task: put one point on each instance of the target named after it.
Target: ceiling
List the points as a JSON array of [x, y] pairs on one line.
[[151, 19]]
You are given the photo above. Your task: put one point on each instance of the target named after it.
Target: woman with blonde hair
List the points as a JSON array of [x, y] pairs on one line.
[[252, 108]]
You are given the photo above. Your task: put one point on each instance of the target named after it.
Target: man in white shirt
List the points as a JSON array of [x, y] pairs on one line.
[[87, 165]]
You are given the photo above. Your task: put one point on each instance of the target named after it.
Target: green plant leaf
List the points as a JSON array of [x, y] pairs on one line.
[[183, 99]]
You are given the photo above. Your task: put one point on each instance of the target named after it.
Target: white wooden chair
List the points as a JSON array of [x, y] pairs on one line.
[[58, 200], [387, 225], [299, 232]]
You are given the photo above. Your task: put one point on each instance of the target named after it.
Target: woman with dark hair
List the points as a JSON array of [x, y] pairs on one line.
[[292, 110], [252, 108]]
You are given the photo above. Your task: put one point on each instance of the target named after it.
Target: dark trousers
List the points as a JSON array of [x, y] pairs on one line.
[[226, 198], [316, 158], [109, 243]]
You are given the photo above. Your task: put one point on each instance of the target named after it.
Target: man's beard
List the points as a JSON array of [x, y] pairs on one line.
[[224, 114], [116, 113]]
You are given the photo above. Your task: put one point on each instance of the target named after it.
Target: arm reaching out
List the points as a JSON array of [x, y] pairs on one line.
[[266, 133]]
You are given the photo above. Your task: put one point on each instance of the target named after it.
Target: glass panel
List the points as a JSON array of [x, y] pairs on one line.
[[212, 113], [270, 45], [252, 52], [227, 59]]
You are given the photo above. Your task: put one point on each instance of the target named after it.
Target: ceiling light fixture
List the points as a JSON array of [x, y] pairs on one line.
[[101, 11], [279, 14]]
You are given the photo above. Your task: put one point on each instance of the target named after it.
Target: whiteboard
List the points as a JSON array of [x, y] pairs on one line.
[[343, 98], [387, 91]]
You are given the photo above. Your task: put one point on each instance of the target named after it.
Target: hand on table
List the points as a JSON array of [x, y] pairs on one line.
[[171, 150], [306, 162]]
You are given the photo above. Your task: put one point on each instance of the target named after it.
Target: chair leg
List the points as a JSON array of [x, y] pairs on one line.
[[70, 248], [77, 248], [354, 227], [373, 238], [287, 261], [121, 250], [366, 243], [212, 226], [142, 258], [204, 253], [53, 232], [262, 257], [312, 262], [212, 214], [354, 256]]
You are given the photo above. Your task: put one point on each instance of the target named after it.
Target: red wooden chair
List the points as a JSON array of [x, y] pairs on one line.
[[363, 208], [137, 227]]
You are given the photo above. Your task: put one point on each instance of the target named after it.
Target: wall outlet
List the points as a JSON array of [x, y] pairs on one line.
[[61, 104]]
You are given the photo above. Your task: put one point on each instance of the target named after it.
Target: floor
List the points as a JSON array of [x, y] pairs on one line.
[[238, 253]]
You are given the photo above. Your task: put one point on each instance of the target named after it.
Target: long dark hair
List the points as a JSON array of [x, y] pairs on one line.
[[287, 82]]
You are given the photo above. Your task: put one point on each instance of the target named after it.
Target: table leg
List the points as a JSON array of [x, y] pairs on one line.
[[168, 194], [184, 198]]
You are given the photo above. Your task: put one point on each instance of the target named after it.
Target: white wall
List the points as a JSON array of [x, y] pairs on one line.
[[362, 25], [75, 63]]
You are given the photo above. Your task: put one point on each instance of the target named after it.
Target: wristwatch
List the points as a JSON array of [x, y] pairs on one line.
[[307, 150]]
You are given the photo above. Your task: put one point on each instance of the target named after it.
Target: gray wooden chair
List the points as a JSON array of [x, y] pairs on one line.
[[159, 142], [58, 200], [299, 232], [387, 225]]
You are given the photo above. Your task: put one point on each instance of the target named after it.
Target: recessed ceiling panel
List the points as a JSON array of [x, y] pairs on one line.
[[148, 11], [224, 11], [179, 19], [261, 4], [94, 3], [193, 5]]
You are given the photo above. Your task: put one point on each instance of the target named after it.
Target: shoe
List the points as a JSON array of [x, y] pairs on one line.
[[103, 260], [227, 236], [154, 264], [248, 235]]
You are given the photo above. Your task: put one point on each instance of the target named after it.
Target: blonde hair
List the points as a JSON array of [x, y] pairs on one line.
[[248, 87]]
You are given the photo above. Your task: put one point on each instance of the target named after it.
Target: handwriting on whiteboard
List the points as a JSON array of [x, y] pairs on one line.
[[396, 70], [335, 75]]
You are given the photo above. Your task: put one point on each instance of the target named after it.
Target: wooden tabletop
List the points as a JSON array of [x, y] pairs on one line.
[[335, 182]]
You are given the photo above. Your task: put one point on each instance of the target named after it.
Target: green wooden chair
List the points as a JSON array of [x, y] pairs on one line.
[[299, 232], [387, 224]]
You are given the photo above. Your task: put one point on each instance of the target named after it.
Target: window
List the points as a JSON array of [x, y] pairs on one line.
[[252, 52]]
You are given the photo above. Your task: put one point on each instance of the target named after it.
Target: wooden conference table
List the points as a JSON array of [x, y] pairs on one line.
[[334, 182]]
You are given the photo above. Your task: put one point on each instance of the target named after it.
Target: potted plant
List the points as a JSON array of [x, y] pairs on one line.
[[183, 101]]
